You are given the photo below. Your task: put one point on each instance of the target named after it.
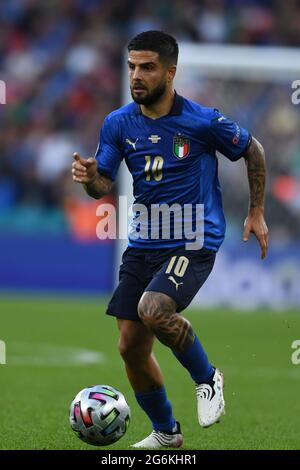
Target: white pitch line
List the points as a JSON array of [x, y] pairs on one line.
[[263, 372], [37, 354], [291, 372]]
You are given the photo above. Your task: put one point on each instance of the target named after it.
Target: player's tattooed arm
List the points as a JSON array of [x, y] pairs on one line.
[[256, 166], [99, 187], [255, 222], [158, 313], [85, 171]]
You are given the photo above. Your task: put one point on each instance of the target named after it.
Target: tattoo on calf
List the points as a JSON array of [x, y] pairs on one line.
[[158, 312]]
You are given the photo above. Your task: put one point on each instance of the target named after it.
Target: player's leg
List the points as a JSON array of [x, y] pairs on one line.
[[144, 374], [158, 309], [136, 347], [158, 312]]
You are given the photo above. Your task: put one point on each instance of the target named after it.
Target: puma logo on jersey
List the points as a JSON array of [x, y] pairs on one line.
[[177, 284], [133, 144]]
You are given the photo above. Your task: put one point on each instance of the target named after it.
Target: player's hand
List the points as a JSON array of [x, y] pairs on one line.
[[255, 223], [84, 171]]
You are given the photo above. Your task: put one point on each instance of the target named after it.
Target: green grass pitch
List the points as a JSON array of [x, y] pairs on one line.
[[262, 386]]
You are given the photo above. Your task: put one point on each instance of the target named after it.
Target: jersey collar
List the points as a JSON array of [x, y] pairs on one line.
[[176, 109]]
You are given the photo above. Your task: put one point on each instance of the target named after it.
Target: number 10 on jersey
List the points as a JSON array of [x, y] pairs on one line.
[[153, 167]]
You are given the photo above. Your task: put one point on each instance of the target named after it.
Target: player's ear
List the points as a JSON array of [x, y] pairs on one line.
[[171, 72]]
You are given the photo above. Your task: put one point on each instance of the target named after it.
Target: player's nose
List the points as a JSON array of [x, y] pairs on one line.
[[136, 74]]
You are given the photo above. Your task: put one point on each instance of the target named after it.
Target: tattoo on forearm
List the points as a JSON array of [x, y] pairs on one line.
[[158, 312], [100, 187], [255, 160]]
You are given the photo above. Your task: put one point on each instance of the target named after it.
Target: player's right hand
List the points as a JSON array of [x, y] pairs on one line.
[[84, 170]]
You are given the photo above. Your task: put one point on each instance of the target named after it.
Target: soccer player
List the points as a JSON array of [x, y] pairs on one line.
[[169, 144]]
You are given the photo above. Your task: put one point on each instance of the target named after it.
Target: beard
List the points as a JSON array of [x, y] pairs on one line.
[[150, 97]]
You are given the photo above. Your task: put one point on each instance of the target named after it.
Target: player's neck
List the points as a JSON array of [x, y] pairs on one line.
[[161, 107]]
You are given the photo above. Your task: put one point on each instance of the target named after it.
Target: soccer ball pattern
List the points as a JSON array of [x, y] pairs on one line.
[[99, 415]]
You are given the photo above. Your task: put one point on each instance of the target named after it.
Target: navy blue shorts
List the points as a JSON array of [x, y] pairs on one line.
[[176, 272]]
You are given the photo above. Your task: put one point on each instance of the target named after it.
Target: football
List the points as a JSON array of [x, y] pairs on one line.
[[99, 415]]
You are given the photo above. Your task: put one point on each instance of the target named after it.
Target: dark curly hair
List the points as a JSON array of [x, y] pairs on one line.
[[156, 41]]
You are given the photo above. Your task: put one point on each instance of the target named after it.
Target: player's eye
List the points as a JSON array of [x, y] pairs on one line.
[[148, 67]]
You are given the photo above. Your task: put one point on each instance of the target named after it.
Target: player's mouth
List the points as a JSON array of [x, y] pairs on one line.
[[138, 89]]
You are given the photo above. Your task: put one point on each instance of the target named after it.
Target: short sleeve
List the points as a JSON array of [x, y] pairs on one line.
[[228, 137], [109, 152]]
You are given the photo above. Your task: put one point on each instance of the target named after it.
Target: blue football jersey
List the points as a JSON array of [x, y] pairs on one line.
[[173, 162]]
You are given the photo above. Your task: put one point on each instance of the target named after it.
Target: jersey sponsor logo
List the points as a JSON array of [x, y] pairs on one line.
[[181, 146], [154, 138], [133, 144]]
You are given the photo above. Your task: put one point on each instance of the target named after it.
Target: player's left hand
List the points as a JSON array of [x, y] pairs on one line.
[[255, 223]]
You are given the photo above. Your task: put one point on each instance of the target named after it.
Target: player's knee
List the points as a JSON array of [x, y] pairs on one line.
[[125, 350], [131, 351], [153, 306], [147, 308]]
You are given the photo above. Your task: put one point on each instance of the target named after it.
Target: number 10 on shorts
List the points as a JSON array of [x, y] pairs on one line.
[[178, 266]]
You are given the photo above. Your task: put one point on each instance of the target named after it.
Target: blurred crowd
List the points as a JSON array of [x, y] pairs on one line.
[[62, 63]]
